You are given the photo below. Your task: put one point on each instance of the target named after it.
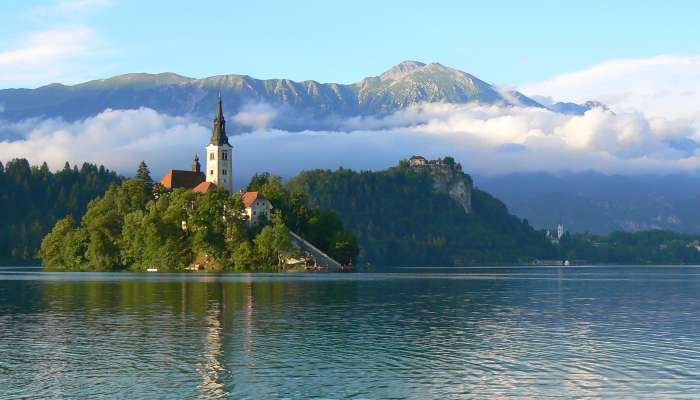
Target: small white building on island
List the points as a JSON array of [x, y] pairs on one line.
[[257, 208]]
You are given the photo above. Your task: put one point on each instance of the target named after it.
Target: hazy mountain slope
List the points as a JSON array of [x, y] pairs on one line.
[[401, 86], [600, 203], [576, 109]]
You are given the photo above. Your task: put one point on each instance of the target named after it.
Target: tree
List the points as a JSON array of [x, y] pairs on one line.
[[144, 173], [52, 245], [258, 181], [276, 193], [282, 241], [33, 199]]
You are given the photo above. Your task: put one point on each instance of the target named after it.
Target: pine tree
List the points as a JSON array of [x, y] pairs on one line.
[[144, 173]]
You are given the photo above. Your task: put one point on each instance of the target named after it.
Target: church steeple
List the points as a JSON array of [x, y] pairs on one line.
[[219, 154], [196, 166], [218, 134]]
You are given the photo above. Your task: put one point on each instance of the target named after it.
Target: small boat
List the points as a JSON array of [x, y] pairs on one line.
[[152, 270], [347, 268]]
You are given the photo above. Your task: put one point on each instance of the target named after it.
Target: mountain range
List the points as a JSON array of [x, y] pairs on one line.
[[306, 105]]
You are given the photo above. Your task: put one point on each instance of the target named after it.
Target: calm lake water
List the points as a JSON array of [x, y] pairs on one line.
[[614, 332]]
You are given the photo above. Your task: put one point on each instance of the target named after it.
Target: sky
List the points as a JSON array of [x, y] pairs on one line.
[[504, 42], [641, 59]]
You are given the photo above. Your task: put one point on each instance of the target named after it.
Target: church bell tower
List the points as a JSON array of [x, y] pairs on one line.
[[219, 154]]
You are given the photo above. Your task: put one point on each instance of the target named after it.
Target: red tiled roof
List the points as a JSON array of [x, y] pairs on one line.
[[182, 179], [250, 197], [204, 187]]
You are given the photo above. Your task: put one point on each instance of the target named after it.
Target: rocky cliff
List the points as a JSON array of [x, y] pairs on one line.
[[447, 178]]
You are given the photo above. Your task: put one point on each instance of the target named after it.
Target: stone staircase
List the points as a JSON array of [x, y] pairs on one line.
[[322, 259]]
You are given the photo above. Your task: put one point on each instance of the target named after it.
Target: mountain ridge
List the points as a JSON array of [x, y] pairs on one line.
[[311, 102]]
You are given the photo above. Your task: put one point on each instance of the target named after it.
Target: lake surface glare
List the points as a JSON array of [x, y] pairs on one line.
[[517, 332]]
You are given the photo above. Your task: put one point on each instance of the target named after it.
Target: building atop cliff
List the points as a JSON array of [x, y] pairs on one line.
[[441, 163], [447, 178]]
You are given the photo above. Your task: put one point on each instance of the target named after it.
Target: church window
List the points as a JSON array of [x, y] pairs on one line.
[[224, 155], [211, 156], [223, 172], [211, 172]]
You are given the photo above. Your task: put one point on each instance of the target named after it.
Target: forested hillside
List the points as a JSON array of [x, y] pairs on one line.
[[401, 220], [33, 198]]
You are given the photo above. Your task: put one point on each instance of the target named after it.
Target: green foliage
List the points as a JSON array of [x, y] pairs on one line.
[[322, 227], [129, 228], [33, 199], [646, 247], [258, 181], [399, 219], [144, 173]]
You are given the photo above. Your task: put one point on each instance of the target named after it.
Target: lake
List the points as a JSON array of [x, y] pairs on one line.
[[520, 332]]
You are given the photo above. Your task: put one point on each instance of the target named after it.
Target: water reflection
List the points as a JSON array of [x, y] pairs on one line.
[[490, 333], [209, 370]]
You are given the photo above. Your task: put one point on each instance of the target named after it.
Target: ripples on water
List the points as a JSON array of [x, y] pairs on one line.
[[477, 333]]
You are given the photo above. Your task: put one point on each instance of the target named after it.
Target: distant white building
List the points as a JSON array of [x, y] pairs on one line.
[[417, 161], [257, 207], [555, 239]]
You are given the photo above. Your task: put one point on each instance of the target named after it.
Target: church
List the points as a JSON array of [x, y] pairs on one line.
[[218, 172]]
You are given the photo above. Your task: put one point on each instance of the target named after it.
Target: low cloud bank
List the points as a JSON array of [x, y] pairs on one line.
[[486, 139]]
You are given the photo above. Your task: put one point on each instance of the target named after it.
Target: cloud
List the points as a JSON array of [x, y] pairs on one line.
[[662, 86], [258, 116], [116, 138], [486, 139], [51, 55]]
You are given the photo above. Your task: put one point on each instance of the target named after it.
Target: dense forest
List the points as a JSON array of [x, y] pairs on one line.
[[137, 226], [645, 247], [33, 198], [399, 219]]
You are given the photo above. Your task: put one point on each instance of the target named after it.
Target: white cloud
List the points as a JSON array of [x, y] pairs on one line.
[[662, 86], [258, 116], [486, 139], [116, 138], [52, 55]]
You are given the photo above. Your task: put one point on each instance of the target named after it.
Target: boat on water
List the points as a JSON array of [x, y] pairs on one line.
[[152, 270]]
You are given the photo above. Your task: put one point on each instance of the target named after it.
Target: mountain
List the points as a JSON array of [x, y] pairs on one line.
[[599, 203], [307, 104], [576, 109]]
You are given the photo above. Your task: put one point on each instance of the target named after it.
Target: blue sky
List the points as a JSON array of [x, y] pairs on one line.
[[505, 42], [641, 59]]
